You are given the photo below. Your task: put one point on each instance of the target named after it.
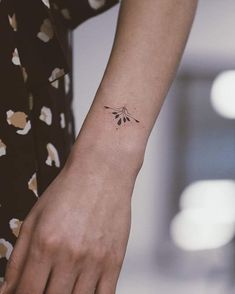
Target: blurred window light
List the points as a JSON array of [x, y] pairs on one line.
[[223, 94], [207, 215]]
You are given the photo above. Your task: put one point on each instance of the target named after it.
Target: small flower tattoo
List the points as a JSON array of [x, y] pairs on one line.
[[121, 115]]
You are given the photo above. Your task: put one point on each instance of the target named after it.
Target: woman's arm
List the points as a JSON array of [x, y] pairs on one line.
[[74, 238], [149, 42]]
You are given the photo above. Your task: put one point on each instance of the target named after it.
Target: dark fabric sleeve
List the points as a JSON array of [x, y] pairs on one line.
[[75, 12]]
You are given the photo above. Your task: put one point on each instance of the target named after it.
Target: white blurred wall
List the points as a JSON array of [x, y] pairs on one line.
[[212, 40]]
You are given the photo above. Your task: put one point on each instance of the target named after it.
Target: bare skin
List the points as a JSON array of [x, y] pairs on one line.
[[74, 239]]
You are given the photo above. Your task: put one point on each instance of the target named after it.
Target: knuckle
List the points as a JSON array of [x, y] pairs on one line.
[[99, 254], [45, 241], [78, 252], [77, 249], [72, 254], [49, 243]]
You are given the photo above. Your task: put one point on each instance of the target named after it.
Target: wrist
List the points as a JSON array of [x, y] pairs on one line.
[[98, 153], [104, 142]]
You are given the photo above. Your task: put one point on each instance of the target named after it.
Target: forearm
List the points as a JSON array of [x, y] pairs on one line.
[[149, 42]]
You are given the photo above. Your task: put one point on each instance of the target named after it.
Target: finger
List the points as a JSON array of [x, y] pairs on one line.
[[35, 273], [86, 283], [17, 257], [107, 283], [62, 279]]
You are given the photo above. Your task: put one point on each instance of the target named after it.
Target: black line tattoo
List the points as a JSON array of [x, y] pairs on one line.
[[121, 114]]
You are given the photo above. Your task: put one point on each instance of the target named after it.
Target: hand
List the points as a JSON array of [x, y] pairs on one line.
[[74, 239]]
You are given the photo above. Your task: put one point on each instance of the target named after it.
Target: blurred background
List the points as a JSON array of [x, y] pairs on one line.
[[183, 225]]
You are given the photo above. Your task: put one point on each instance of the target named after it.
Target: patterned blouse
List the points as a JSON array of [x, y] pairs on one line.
[[36, 118]]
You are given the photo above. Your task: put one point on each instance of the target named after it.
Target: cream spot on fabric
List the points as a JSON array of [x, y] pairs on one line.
[[15, 225], [19, 120], [15, 57], [70, 128], [46, 31], [12, 21], [26, 129], [3, 148], [32, 184], [46, 115], [96, 4], [46, 2], [62, 120], [24, 73], [55, 84], [53, 155], [66, 83], [65, 13], [5, 249], [55, 75]]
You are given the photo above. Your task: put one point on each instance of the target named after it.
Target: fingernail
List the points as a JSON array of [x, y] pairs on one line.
[[3, 288]]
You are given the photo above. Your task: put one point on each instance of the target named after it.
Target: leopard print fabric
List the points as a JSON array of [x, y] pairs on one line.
[[36, 118]]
